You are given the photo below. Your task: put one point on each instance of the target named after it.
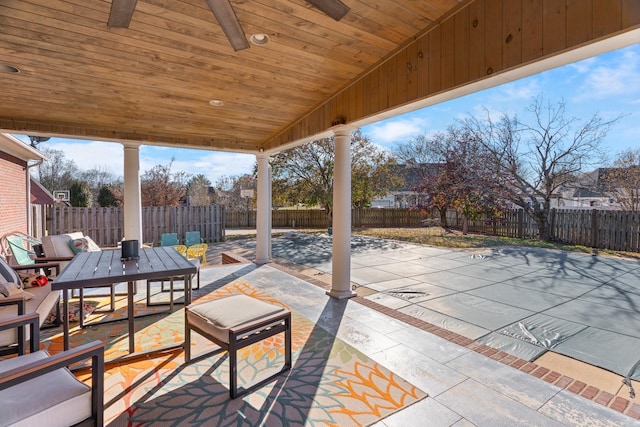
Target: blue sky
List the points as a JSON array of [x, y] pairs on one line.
[[608, 85]]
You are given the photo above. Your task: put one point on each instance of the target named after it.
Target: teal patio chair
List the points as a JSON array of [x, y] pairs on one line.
[[19, 246], [192, 238], [169, 239]]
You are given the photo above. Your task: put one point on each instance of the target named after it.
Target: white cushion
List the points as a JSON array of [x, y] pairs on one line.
[[41, 302], [53, 399], [218, 316], [57, 245]]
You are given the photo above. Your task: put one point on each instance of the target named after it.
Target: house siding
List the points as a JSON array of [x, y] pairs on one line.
[[13, 195]]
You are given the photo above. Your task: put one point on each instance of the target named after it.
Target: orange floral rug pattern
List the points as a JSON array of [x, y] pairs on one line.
[[330, 383]]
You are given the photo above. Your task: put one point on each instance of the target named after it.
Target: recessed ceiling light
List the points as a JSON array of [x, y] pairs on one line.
[[259, 39], [9, 69], [216, 102]]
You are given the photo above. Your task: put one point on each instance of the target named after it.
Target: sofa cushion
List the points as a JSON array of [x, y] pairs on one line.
[[57, 245], [41, 302], [55, 398]]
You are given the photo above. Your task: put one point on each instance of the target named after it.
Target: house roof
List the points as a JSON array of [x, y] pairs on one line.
[[39, 194], [12, 145], [152, 82]]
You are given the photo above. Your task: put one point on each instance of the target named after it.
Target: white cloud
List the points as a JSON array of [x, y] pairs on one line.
[[91, 154], [584, 66], [615, 76], [213, 164], [108, 155], [395, 130]]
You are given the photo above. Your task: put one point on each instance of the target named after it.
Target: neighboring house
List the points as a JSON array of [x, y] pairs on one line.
[[16, 159], [407, 196], [40, 195], [589, 191]]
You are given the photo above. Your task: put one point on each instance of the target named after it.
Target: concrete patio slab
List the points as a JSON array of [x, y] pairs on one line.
[[494, 409], [572, 281]]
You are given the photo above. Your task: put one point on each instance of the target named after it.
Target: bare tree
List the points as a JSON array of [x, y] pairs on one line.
[[97, 178], [198, 191], [57, 172], [622, 182], [228, 192], [533, 161], [161, 187], [452, 172]]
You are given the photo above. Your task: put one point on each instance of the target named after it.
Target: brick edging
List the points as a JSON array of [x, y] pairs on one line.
[[617, 403]]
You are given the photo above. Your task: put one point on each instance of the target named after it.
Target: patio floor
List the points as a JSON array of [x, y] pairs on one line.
[[575, 316]]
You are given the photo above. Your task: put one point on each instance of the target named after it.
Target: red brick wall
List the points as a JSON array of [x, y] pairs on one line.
[[13, 197]]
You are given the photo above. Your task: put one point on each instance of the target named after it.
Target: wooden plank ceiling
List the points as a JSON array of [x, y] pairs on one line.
[[152, 81]]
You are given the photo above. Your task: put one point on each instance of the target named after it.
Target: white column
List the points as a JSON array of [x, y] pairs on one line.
[[263, 213], [132, 198], [341, 251]]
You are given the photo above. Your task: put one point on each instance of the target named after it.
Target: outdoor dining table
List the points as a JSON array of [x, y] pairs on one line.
[[100, 268]]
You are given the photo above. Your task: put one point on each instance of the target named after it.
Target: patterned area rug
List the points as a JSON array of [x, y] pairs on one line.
[[330, 383]]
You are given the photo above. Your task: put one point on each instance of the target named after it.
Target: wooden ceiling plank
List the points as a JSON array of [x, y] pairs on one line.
[[194, 45]]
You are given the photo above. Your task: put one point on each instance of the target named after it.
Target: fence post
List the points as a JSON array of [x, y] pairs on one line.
[[553, 224], [594, 228], [520, 223]]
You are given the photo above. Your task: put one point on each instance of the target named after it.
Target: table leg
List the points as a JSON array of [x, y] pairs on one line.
[[187, 290], [65, 316], [132, 329]]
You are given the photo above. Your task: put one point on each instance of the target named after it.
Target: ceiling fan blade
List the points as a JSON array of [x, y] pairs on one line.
[[121, 13], [334, 8], [227, 19]]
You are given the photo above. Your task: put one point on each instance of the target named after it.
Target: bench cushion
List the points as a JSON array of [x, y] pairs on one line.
[[53, 399], [42, 301], [237, 311]]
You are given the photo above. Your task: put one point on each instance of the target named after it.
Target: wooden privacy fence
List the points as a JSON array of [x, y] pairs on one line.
[[106, 225], [317, 218], [604, 229]]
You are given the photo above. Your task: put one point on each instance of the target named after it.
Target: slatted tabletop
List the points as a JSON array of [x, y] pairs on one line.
[[101, 268], [92, 269]]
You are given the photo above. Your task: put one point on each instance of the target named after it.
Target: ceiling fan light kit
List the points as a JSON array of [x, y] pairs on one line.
[[122, 12]]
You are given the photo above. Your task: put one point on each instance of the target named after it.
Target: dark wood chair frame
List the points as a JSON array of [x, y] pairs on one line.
[[93, 350], [243, 337]]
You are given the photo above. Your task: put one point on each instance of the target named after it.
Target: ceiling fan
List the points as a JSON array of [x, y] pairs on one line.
[[122, 11]]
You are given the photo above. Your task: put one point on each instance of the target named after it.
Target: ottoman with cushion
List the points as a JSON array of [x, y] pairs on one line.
[[236, 322]]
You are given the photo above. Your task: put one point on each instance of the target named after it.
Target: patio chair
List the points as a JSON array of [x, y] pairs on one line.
[[199, 250], [192, 238], [64, 247], [169, 239], [38, 389], [21, 249], [182, 249], [16, 301]]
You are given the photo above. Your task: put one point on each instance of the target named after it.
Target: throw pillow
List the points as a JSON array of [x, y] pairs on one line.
[[30, 280], [11, 290], [84, 244]]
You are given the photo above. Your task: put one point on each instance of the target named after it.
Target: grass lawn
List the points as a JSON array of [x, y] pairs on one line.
[[438, 236]]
